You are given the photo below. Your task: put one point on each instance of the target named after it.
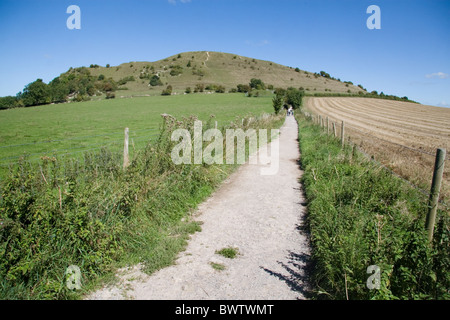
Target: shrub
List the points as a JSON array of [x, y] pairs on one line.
[[220, 89], [243, 88], [257, 84], [199, 87], [277, 102], [110, 95], [167, 91], [176, 70], [155, 81]]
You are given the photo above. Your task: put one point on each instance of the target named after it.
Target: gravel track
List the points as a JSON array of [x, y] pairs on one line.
[[260, 215]]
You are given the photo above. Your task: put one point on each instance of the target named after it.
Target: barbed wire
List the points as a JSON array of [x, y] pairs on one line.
[[84, 148], [370, 157], [387, 141], [74, 138]]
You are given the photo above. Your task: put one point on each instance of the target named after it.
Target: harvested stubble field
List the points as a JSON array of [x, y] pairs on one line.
[[401, 135]]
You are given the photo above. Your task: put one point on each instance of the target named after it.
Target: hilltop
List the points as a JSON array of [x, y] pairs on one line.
[[217, 68]]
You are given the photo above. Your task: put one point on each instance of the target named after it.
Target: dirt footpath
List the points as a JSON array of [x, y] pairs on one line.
[[260, 215]]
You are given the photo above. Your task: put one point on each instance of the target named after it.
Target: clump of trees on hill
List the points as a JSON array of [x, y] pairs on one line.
[[77, 84], [287, 97]]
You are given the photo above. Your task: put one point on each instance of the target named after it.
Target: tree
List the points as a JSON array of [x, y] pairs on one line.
[[257, 84], [278, 103], [325, 74], [294, 97], [36, 93], [7, 102], [58, 91]]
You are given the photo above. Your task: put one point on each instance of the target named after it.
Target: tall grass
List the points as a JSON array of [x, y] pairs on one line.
[[361, 215], [93, 214]]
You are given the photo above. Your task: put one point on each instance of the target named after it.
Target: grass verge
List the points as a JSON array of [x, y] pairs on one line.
[[360, 215]]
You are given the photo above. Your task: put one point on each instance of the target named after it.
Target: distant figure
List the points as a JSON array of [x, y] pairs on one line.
[[290, 111]]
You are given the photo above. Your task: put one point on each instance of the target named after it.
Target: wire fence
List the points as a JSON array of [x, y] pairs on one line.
[[82, 144], [325, 121]]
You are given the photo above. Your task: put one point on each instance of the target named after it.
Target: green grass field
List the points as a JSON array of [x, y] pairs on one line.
[[76, 127]]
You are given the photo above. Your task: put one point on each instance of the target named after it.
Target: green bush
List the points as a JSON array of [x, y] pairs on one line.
[[176, 70], [257, 84], [155, 81], [8, 102], [277, 103], [167, 91]]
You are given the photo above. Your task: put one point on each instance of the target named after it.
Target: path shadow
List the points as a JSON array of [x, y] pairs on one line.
[[297, 269], [298, 266]]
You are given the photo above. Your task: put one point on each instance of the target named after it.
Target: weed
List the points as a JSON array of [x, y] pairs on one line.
[[229, 252], [217, 266]]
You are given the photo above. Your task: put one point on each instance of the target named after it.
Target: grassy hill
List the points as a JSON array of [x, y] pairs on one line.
[[214, 68]]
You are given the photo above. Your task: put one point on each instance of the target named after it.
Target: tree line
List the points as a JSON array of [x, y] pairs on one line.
[[77, 84]]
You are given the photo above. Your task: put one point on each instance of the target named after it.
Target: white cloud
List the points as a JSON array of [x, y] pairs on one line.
[[443, 104], [440, 75], [257, 44], [175, 1]]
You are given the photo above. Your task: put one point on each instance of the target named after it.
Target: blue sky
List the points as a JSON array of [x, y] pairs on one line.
[[409, 55]]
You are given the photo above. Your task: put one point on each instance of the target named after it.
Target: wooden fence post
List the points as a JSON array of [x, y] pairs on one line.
[[126, 159], [334, 129], [435, 190], [342, 134]]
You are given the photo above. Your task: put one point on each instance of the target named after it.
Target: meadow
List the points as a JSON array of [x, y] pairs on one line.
[[72, 128]]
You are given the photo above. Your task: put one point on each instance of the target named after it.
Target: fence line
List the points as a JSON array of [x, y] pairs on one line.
[[424, 192], [381, 139], [74, 138], [84, 148]]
